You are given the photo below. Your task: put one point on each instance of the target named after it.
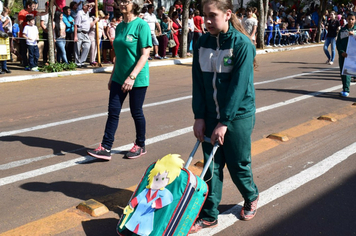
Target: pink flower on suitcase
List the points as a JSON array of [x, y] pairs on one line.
[[155, 196]]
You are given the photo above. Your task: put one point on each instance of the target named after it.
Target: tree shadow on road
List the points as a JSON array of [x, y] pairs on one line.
[[333, 95], [97, 227], [57, 146], [115, 199], [330, 213], [297, 62]]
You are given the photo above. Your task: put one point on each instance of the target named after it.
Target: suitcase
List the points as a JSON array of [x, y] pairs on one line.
[[188, 196]]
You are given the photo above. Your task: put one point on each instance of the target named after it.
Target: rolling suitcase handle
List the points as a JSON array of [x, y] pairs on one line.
[[212, 154]]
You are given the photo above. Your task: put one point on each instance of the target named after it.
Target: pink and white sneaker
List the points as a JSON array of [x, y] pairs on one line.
[[101, 153], [135, 152]]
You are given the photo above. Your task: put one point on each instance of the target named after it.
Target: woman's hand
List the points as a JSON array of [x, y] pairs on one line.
[[344, 54], [128, 84], [219, 134], [199, 129]]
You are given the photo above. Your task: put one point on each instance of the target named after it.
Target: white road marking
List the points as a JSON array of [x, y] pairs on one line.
[[84, 159], [19, 131], [259, 110], [297, 99], [293, 76], [8, 133], [43, 170], [230, 216]]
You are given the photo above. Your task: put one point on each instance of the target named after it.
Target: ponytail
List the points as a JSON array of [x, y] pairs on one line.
[[239, 27]]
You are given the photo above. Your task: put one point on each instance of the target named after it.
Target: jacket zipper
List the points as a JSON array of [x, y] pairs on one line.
[[215, 94]]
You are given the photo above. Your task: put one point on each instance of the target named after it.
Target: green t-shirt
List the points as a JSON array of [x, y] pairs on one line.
[[129, 40]]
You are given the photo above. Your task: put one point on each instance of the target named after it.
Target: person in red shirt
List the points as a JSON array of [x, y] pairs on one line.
[[198, 26], [60, 4], [29, 10], [178, 5], [176, 26]]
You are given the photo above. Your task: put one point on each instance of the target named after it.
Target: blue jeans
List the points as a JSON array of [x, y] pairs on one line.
[[277, 31], [294, 38], [328, 41], [33, 55], [324, 34], [116, 99], [269, 33], [61, 50], [196, 36], [4, 65], [111, 15]]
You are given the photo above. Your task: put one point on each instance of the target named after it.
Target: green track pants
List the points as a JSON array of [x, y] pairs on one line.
[[236, 154], [346, 79]]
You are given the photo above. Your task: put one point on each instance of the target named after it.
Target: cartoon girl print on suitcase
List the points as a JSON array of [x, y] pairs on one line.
[[154, 196]]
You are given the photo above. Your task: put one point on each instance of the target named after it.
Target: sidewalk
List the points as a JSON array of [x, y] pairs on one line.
[[19, 74]]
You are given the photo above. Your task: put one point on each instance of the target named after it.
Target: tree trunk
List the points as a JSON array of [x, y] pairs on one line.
[[263, 10], [50, 33], [9, 3], [183, 47]]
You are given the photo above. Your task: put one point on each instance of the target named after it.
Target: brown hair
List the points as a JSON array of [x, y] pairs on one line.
[[6, 10], [224, 5]]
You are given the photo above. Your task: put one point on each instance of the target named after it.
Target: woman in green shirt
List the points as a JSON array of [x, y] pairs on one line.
[[130, 75]]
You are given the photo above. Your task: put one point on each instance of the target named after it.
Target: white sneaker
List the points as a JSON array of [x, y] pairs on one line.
[[331, 62]]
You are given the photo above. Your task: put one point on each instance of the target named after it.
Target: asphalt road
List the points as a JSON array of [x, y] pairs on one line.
[[307, 184]]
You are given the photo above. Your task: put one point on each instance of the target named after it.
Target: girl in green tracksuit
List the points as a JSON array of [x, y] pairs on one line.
[[224, 107], [341, 45]]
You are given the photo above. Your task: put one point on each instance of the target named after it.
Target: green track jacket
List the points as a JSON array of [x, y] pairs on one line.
[[223, 77], [343, 38]]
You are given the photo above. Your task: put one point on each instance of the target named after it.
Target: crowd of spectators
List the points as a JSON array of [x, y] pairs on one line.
[[74, 29], [293, 24]]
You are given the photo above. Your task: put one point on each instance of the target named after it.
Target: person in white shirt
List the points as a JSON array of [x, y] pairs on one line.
[[30, 33], [81, 35], [250, 24], [152, 21], [191, 28], [80, 4]]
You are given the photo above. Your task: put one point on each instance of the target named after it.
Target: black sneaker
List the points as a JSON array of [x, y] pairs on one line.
[[101, 153], [201, 224], [135, 152], [249, 209]]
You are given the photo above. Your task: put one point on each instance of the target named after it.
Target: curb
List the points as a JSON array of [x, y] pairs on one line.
[[151, 64]]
